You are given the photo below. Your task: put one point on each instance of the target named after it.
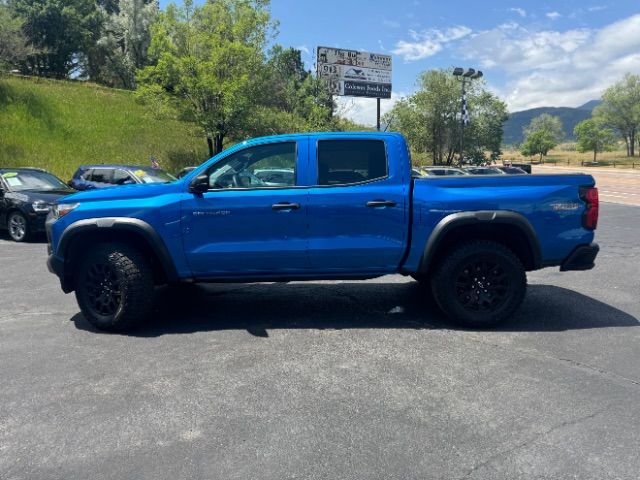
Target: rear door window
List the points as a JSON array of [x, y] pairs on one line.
[[344, 162], [102, 175]]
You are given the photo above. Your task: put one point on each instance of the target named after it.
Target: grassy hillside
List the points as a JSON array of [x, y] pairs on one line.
[[58, 125]]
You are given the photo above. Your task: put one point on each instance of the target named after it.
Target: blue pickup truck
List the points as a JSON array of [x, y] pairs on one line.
[[335, 206]]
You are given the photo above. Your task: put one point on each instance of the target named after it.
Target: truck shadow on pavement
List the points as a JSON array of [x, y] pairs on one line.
[[258, 308]]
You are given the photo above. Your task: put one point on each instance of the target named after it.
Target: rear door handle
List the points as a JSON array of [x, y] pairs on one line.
[[381, 203], [285, 206]]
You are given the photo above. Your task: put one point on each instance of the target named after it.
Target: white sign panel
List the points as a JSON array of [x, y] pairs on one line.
[[350, 72]]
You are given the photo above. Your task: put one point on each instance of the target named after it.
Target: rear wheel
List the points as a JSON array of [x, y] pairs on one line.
[[18, 227], [479, 284], [114, 287]]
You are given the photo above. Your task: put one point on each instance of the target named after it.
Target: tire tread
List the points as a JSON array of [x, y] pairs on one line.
[[442, 288], [137, 277]]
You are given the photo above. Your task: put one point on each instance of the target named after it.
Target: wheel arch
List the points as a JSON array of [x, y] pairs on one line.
[[510, 229], [131, 231]]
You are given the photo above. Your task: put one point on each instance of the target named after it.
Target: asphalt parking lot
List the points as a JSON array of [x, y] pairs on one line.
[[326, 379]]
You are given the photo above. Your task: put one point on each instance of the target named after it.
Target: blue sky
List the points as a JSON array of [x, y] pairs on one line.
[[532, 53]]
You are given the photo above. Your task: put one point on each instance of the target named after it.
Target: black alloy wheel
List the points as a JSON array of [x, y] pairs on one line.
[[479, 284], [482, 286], [114, 286], [104, 289]]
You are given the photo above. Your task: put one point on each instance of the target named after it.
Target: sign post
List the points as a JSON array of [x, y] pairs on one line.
[[356, 74]]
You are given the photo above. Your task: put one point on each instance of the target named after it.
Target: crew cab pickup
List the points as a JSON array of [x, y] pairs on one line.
[[338, 206]]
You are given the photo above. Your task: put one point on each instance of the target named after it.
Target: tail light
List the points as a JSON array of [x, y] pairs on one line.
[[589, 195]]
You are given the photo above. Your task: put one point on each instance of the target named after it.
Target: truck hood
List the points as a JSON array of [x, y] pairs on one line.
[[124, 192]]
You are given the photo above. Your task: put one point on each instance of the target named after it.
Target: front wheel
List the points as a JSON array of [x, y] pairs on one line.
[[18, 227], [479, 284], [114, 287]]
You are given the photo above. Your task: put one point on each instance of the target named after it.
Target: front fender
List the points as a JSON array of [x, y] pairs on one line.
[[113, 225]]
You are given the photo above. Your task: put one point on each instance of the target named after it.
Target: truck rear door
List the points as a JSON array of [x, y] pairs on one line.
[[358, 203]]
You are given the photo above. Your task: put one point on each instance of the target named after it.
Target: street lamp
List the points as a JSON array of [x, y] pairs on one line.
[[464, 76]]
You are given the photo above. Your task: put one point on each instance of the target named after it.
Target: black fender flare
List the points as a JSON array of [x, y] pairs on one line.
[[480, 217], [140, 227]]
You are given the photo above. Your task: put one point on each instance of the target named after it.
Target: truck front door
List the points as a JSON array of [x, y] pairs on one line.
[[253, 218]]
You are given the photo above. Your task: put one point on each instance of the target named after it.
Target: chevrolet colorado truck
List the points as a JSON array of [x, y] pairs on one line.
[[321, 206]]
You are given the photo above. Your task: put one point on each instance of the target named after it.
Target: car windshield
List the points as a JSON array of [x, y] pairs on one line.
[[22, 180], [153, 175]]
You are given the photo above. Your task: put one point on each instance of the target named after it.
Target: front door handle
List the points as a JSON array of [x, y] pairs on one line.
[[381, 203], [285, 206]]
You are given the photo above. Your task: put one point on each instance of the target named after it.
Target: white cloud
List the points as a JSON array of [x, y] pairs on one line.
[[553, 15], [520, 11], [551, 68], [426, 43], [597, 8], [304, 49], [513, 48], [363, 110]]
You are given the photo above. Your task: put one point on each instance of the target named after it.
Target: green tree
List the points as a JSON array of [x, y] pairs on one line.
[[290, 93], [541, 135], [430, 119], [537, 143], [549, 124], [125, 39], [620, 110], [484, 133], [14, 45], [61, 32], [593, 138], [206, 58]]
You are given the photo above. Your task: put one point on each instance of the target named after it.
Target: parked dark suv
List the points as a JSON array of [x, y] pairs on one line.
[[26, 196], [89, 177]]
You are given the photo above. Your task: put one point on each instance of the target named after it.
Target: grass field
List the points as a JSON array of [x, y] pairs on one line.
[[617, 159], [58, 125]]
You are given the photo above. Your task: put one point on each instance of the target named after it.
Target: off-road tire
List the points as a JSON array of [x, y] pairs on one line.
[[463, 289], [114, 287]]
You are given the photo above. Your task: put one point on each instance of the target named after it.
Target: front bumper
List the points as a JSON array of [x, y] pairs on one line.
[[56, 264], [582, 258], [37, 221]]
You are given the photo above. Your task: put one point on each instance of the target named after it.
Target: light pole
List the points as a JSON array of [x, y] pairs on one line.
[[464, 76]]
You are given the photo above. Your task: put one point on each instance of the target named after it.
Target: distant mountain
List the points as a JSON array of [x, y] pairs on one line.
[[569, 117], [590, 105]]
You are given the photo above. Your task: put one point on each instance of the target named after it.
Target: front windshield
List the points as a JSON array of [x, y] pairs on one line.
[[153, 175], [22, 180]]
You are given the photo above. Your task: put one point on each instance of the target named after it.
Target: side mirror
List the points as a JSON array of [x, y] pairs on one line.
[[200, 184]]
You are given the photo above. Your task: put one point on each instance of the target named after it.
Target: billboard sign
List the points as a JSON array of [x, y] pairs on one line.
[[354, 73]]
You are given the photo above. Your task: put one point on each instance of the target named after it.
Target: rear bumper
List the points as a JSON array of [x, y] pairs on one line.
[[582, 258]]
